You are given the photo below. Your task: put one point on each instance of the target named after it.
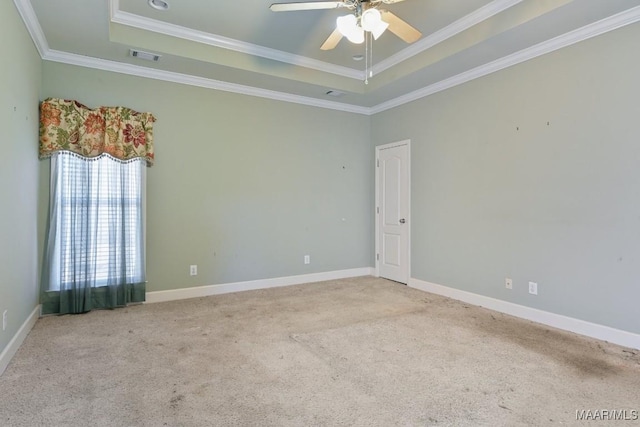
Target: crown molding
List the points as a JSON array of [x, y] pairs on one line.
[[169, 76], [462, 24], [597, 28], [605, 25], [30, 19], [129, 19]]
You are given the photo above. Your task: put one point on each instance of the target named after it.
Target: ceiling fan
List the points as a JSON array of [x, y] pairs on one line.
[[366, 17]]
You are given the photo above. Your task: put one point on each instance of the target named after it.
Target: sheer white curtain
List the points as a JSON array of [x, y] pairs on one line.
[[95, 251]]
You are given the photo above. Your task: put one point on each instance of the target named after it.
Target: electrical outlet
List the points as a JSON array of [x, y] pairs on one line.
[[508, 283], [4, 320], [193, 270], [533, 288], [307, 259]]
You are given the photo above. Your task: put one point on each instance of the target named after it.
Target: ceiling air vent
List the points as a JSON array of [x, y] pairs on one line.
[[144, 55]]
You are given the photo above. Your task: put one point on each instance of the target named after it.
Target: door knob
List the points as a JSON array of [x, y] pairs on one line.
[[402, 221]]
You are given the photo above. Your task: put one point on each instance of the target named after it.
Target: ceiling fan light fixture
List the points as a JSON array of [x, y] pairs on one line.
[[357, 36], [372, 21], [379, 29], [345, 24], [348, 27]]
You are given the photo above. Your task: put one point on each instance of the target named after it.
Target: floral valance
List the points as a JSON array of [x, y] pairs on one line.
[[118, 131]]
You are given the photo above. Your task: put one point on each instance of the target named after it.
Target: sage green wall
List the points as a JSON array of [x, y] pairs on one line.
[[243, 187], [20, 80], [534, 173]]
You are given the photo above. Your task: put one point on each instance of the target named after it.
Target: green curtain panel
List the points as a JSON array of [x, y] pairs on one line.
[[95, 244]]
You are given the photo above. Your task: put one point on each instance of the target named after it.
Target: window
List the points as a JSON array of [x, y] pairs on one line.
[[94, 251], [98, 222]]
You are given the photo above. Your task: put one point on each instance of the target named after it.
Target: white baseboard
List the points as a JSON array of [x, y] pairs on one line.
[[225, 288], [15, 343], [593, 330]]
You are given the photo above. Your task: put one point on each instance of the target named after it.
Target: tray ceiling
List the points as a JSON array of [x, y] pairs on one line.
[[242, 46]]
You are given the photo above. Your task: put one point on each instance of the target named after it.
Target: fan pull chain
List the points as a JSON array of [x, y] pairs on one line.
[[368, 57]]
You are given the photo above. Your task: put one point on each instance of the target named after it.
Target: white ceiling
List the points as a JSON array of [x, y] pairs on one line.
[[242, 46]]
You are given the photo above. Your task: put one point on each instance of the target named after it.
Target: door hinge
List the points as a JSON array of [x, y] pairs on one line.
[[378, 162], [377, 257], [378, 209]]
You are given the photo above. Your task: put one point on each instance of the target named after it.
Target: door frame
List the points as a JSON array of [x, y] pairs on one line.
[[376, 209]]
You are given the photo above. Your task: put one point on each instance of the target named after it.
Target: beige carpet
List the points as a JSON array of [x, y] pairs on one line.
[[361, 352]]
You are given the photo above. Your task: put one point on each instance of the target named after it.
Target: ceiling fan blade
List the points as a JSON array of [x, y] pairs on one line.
[[391, 1], [400, 28], [332, 41], [308, 5]]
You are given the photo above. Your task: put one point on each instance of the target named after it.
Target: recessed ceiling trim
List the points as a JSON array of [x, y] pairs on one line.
[[169, 76], [477, 16], [156, 26], [597, 28], [487, 11]]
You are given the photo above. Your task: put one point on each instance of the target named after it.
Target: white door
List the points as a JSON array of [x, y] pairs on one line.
[[393, 211]]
